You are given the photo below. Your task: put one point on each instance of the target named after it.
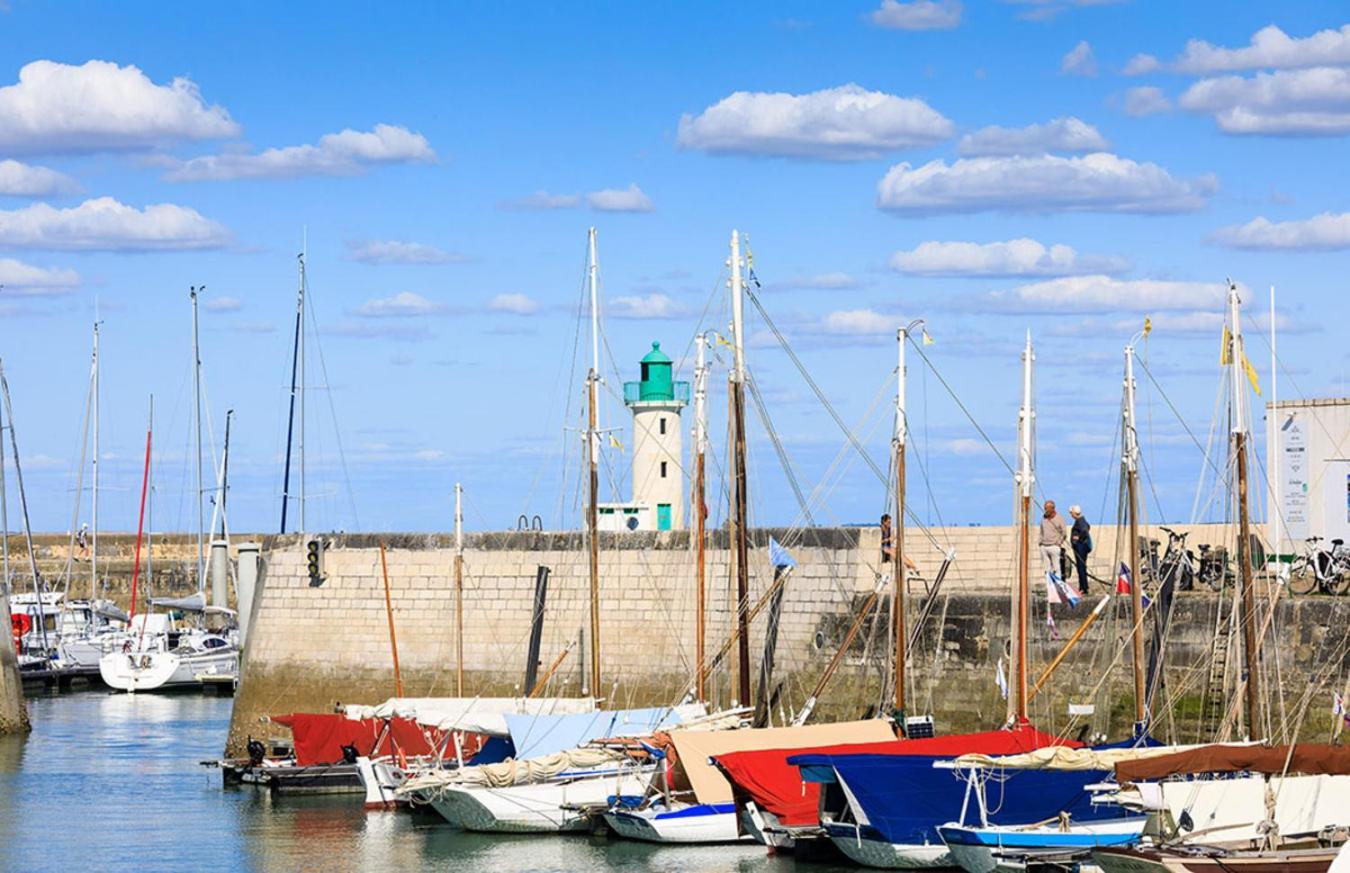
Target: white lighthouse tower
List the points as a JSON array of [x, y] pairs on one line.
[[658, 477]]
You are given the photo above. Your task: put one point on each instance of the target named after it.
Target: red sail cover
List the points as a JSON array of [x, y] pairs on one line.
[[765, 776], [319, 737]]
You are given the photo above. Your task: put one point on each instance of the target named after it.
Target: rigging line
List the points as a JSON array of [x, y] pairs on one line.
[[332, 411], [971, 418], [777, 443], [69, 572], [1170, 405]]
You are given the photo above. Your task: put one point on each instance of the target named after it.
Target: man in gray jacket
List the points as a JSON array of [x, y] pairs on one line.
[[1053, 534]]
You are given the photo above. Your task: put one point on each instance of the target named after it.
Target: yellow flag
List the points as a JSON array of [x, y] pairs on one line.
[[721, 340], [928, 340], [614, 442], [1148, 325], [1251, 374], [1226, 347]]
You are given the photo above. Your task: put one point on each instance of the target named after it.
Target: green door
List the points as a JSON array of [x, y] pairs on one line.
[[663, 516]]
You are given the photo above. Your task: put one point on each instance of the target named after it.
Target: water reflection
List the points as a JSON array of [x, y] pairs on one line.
[[112, 782]]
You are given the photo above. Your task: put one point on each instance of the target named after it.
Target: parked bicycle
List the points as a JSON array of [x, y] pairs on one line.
[[1321, 569], [1178, 566]]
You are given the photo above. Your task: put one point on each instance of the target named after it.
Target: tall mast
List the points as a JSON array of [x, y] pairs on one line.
[[1273, 450], [700, 509], [459, 590], [4, 513], [1131, 463], [301, 390], [899, 630], [197, 403], [93, 545], [38, 586], [223, 488], [290, 420], [1237, 374], [593, 456], [739, 497], [1025, 481]]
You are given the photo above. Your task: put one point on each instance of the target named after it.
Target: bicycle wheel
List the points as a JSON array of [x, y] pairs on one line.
[[1339, 583], [1302, 577], [1214, 577]]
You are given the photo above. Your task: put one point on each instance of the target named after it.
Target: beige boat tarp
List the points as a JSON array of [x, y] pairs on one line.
[[694, 748], [1065, 758]]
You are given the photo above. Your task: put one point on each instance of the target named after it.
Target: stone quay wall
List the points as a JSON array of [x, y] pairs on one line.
[[312, 647]]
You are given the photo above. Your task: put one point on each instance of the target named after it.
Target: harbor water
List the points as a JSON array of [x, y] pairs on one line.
[[113, 782]]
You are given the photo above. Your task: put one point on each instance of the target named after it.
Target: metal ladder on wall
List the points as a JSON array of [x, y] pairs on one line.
[[1215, 700]]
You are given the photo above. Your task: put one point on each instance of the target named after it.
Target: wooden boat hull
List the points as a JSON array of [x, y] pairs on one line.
[[1167, 861]]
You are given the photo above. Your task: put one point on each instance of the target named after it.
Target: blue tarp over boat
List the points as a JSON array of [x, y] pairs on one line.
[[537, 735]]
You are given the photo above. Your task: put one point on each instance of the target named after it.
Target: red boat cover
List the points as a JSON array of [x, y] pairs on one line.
[[777, 787], [319, 737]]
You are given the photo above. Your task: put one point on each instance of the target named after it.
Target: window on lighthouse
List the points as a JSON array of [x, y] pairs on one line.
[[663, 469], [661, 425]]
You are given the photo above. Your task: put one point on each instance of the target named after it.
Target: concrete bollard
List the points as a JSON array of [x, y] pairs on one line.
[[13, 711], [220, 574], [246, 587]]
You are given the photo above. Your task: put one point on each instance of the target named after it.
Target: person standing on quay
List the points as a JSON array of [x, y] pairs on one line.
[[1080, 537], [1053, 534]]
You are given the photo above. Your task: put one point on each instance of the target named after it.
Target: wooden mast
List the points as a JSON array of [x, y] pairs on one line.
[[459, 590], [1237, 363], [739, 497], [700, 511], [1025, 480], [899, 630], [1131, 461], [593, 456]]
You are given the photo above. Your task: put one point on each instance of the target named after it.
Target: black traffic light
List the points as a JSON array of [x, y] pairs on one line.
[[314, 562]]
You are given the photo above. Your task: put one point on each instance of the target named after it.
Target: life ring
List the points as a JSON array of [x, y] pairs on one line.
[[20, 624]]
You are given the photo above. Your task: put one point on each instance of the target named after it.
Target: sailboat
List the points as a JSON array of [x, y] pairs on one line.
[[170, 650]]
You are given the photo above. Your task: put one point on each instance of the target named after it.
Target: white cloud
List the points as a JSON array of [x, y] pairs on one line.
[[397, 252], [858, 322], [1100, 182], [1313, 102], [846, 123], [346, 153], [917, 14], [1270, 47], [516, 304], [1067, 134], [401, 305], [390, 329], [258, 327], [644, 306], [544, 200], [1146, 101], [104, 224], [1047, 10], [1105, 294], [819, 282], [630, 199], [1016, 257], [26, 279], [1325, 232], [1079, 61], [101, 106], [1141, 64], [26, 180], [223, 304], [966, 446]]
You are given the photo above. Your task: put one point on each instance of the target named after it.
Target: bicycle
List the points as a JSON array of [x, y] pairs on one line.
[[1320, 569], [1178, 567], [1214, 569]]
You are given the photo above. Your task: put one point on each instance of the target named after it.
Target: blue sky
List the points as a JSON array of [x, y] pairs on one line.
[[1064, 166]]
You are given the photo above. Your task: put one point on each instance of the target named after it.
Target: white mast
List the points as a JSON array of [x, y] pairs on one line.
[[459, 590], [739, 495], [1131, 460], [197, 403], [700, 502], [1025, 481], [301, 342], [1276, 508], [93, 545]]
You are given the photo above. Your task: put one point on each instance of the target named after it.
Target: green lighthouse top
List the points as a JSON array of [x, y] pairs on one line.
[[657, 384]]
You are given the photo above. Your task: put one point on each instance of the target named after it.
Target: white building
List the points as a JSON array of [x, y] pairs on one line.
[[658, 474], [1308, 442]]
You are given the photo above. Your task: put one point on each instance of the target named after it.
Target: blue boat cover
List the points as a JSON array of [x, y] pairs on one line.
[[905, 798], [537, 735]]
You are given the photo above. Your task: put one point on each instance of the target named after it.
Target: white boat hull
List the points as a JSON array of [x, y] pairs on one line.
[[152, 671], [1010, 849], [684, 823], [545, 808], [877, 853]]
